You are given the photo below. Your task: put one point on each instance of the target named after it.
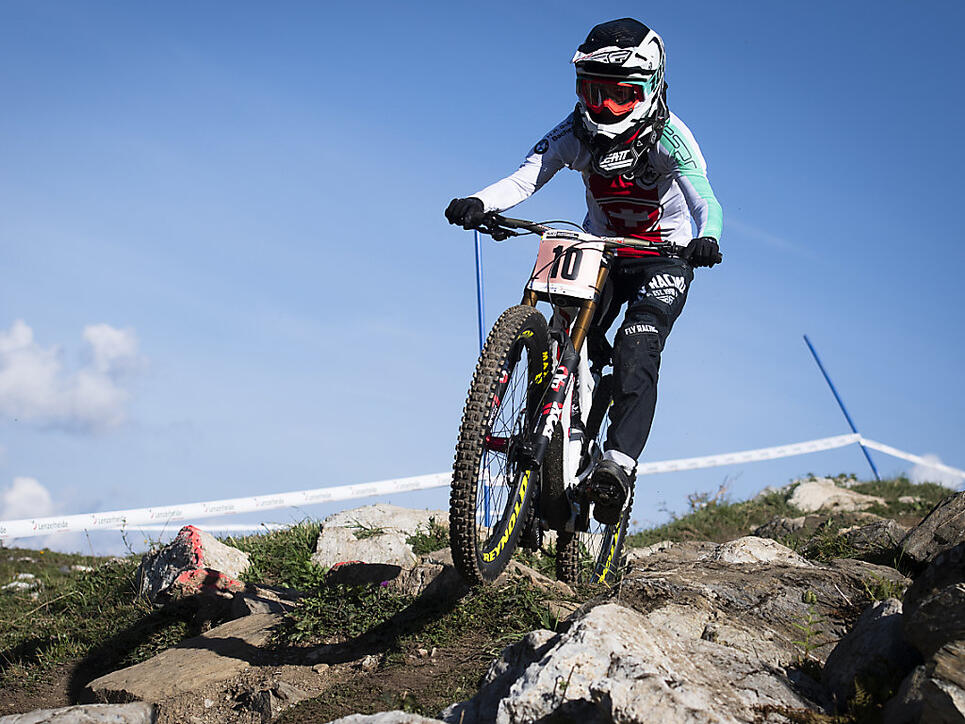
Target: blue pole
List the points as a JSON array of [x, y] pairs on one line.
[[837, 397], [481, 318], [480, 296]]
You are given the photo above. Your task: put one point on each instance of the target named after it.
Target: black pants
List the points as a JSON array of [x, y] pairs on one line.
[[655, 291]]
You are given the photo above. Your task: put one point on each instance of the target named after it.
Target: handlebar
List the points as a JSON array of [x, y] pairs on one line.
[[502, 227]]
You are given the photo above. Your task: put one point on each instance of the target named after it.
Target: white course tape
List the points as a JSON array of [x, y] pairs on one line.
[[127, 519], [151, 518], [747, 456], [223, 527], [894, 452]]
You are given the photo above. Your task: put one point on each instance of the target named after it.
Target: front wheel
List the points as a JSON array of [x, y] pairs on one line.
[[492, 486], [594, 555]]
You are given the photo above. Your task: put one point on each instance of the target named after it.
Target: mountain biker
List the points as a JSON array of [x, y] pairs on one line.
[[645, 178]]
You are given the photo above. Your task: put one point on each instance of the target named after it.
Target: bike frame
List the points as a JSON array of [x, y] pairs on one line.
[[557, 401]]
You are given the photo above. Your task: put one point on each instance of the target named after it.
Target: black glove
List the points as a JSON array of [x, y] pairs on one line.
[[702, 251], [467, 213]]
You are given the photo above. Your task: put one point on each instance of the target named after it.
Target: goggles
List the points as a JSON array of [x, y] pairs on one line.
[[617, 98]]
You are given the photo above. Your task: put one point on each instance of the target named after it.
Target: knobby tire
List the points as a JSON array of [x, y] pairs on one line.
[[481, 552], [594, 556]]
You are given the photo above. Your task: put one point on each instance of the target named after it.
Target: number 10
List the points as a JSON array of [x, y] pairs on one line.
[[570, 262]]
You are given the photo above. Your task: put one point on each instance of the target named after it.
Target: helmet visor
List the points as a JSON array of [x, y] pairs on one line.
[[609, 95]]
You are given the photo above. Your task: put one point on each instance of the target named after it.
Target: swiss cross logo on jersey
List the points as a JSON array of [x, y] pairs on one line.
[[631, 208]]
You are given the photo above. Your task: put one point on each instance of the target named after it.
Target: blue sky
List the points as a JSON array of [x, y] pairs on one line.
[[227, 271]]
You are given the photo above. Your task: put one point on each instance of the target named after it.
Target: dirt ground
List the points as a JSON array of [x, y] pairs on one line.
[[421, 684], [52, 691], [414, 680]]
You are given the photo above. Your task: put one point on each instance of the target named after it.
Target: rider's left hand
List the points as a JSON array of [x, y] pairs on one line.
[[702, 251]]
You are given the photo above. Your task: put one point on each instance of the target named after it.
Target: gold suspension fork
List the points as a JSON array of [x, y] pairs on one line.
[[585, 317]]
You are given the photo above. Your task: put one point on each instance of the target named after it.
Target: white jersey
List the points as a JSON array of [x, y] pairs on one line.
[[657, 204]]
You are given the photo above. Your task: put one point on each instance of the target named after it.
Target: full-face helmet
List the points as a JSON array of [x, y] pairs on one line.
[[622, 95]]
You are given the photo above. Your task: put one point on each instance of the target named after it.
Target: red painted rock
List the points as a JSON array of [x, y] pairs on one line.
[[194, 562]]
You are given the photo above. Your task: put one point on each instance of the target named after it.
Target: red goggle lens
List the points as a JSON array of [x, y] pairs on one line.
[[618, 98]]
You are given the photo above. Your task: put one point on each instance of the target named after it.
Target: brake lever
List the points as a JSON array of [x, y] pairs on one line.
[[490, 226]]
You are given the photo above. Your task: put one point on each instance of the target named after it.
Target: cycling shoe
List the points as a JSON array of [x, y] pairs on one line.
[[608, 488]]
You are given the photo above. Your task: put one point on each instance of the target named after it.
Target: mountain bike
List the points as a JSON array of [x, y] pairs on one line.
[[535, 418]]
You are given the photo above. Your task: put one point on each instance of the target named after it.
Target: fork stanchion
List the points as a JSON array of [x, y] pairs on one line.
[[481, 320]]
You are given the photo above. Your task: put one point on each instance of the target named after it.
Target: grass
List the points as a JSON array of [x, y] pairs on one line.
[[825, 544], [362, 531], [718, 520], [881, 588], [429, 538], [339, 611], [505, 613], [929, 494], [539, 561], [282, 557], [715, 518], [96, 616], [336, 612]]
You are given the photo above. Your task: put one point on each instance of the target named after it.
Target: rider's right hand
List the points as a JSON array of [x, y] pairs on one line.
[[467, 213]]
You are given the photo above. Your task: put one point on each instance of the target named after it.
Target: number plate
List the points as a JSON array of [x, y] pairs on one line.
[[567, 264]]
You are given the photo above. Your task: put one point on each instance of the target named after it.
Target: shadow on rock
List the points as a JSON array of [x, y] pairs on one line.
[[119, 650]]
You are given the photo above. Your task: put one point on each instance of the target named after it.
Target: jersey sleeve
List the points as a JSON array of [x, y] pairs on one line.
[[688, 169], [554, 151]]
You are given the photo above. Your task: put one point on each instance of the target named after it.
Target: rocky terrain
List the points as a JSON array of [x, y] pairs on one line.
[[823, 601]]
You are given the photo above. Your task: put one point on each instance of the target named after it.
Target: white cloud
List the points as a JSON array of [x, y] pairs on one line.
[[26, 498], [113, 351], [37, 386], [927, 474]]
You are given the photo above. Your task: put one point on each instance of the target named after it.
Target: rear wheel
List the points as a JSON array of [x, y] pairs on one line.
[[492, 487], [594, 555]]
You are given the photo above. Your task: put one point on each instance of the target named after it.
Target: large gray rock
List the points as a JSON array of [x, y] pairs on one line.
[[874, 650], [755, 608], [933, 692], [823, 494], [934, 611], [502, 675], [905, 706], [194, 562], [949, 663], [936, 620], [752, 549], [216, 656], [942, 702], [878, 538], [88, 714], [779, 528], [373, 534], [613, 665], [942, 529]]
